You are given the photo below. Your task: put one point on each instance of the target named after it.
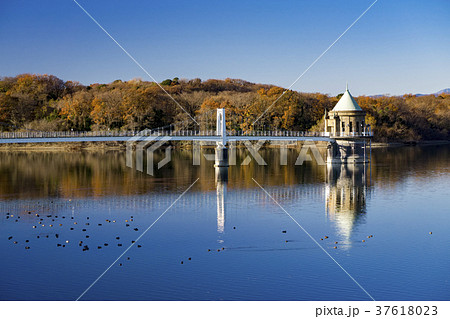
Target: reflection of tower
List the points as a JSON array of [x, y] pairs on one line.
[[221, 187], [345, 202]]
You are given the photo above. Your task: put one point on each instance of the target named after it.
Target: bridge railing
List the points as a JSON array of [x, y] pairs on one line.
[[353, 134], [65, 134]]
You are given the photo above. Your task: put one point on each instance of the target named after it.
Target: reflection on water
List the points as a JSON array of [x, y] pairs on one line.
[[221, 189], [241, 245], [346, 192]]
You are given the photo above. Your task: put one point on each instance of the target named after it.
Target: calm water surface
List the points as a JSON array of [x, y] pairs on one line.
[[241, 245]]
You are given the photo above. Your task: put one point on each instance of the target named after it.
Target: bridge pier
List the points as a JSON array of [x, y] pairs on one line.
[[347, 151], [221, 156]]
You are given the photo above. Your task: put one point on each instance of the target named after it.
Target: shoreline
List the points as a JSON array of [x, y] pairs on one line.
[[114, 146]]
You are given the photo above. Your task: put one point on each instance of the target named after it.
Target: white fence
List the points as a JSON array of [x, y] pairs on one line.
[[36, 134]]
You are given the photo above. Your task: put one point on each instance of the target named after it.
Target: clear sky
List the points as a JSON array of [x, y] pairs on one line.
[[400, 46]]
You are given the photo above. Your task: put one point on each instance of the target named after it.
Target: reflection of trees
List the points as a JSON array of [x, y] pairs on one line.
[[78, 174], [393, 164]]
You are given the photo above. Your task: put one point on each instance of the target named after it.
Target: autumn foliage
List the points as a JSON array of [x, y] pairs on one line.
[[45, 102]]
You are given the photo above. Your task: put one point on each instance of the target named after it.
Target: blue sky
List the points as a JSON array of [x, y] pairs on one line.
[[397, 47]]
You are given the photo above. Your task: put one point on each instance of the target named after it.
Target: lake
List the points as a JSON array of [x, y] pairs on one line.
[[67, 216]]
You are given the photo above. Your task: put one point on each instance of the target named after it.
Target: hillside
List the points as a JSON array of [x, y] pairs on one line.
[[45, 102]]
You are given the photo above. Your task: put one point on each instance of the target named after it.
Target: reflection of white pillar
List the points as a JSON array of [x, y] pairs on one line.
[[221, 192]]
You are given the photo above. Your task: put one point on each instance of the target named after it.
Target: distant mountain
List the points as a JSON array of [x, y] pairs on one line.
[[444, 91]]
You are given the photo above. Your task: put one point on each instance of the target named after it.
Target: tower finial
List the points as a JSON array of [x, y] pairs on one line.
[[346, 86]]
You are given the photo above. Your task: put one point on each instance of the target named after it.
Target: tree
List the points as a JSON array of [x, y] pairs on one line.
[[107, 110], [76, 110]]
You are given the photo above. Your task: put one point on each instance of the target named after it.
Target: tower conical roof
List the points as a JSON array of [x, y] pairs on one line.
[[347, 103]]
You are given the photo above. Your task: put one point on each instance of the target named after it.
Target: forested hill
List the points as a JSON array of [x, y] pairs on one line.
[[45, 102]]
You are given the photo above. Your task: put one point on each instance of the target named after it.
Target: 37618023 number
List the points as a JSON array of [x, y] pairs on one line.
[[407, 310]]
